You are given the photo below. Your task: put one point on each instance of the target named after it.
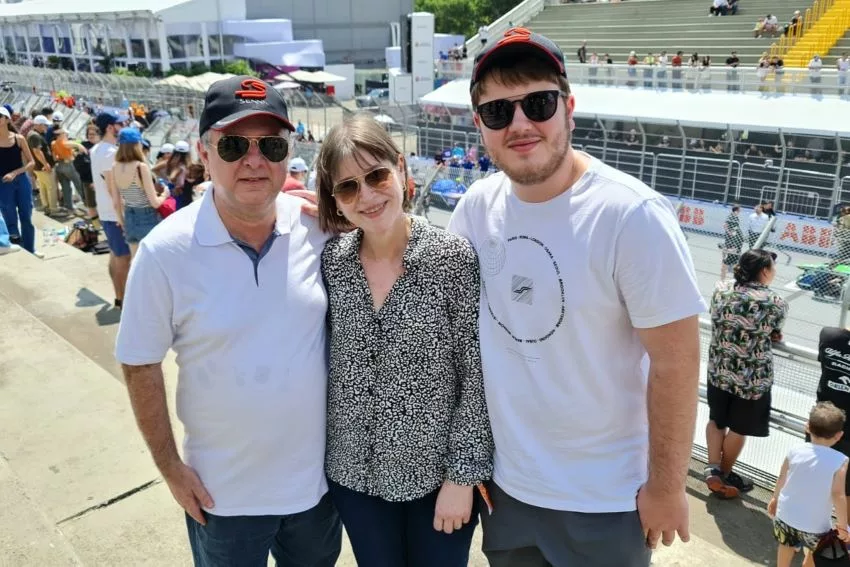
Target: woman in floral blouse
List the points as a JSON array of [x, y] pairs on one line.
[[746, 318], [408, 431]]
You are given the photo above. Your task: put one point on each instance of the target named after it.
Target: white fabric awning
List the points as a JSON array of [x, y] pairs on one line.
[[199, 83], [747, 111], [35, 9], [311, 77]]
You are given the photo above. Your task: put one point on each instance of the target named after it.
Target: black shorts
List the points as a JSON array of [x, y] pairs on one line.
[[745, 417]]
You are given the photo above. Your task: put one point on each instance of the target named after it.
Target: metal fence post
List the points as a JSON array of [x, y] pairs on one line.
[[642, 145], [781, 165], [839, 160], [731, 138], [845, 304], [684, 138], [604, 137]]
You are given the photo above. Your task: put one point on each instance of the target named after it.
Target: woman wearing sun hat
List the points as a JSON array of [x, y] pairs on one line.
[[133, 190]]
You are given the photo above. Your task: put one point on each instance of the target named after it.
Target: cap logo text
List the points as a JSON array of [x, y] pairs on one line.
[[252, 89]]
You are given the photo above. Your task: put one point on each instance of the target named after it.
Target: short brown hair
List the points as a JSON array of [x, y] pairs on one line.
[[357, 133], [512, 75], [129, 152], [826, 420]]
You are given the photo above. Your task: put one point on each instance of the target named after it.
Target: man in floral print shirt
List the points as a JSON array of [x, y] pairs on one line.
[[746, 318]]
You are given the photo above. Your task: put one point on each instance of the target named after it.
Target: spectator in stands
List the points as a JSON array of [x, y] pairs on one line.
[[665, 142], [753, 152], [44, 174], [815, 67], [732, 63], [632, 62], [721, 8], [842, 65], [778, 66], [102, 160], [15, 188], [582, 52], [57, 119], [82, 163], [297, 174], [757, 222], [133, 193], [662, 62], [767, 207], [676, 63], [631, 139], [562, 445], [64, 152], [811, 485], [747, 317], [593, 71], [648, 70], [834, 383], [771, 25], [416, 500], [195, 176], [162, 157], [258, 406], [484, 163], [482, 35], [794, 24], [733, 241]]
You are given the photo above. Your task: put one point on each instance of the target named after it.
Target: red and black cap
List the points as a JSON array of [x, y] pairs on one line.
[[514, 45], [230, 100]]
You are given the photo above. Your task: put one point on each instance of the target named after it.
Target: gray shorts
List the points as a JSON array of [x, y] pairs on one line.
[[522, 535]]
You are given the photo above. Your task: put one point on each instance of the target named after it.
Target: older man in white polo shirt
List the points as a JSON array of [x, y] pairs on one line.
[[232, 284]]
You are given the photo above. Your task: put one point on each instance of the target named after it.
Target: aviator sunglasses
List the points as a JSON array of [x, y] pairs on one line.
[[233, 148], [348, 189], [538, 106]]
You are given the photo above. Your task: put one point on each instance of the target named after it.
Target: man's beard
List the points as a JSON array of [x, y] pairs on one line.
[[529, 174]]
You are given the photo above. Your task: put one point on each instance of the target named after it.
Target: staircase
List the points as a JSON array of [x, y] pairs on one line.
[[841, 47], [661, 25], [822, 36]]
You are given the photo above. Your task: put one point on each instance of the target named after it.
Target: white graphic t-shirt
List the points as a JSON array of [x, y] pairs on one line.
[[565, 284]]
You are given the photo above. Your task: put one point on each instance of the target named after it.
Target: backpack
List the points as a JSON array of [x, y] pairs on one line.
[[83, 236]]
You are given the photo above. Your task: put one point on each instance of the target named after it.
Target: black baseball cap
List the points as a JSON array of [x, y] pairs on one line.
[[515, 44], [107, 118], [230, 100]]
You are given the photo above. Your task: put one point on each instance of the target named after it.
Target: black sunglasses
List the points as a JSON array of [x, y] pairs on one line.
[[233, 148], [347, 189], [538, 106]]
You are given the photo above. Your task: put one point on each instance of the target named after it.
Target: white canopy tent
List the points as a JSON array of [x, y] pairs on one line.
[[79, 10], [310, 77], [795, 114], [199, 83]]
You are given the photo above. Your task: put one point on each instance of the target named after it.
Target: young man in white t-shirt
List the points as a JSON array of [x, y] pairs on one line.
[[102, 157], [588, 328], [232, 284]]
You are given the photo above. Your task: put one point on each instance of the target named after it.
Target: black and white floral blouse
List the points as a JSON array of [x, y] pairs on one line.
[[406, 407]]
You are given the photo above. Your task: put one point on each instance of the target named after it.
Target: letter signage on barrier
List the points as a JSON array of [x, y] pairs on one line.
[[804, 234]]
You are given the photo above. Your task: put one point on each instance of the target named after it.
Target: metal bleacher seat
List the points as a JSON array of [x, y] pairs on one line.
[[671, 25]]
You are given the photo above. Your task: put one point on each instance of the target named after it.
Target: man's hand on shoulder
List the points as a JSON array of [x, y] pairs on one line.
[[309, 207]]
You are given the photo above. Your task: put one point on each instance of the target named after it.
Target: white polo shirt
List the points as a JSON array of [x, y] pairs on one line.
[[102, 160], [251, 351], [565, 286]]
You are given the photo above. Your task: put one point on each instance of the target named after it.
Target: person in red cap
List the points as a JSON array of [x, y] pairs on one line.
[[588, 327], [231, 283]]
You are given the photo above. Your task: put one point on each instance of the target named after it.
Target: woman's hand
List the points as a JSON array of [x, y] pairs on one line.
[[9, 177], [454, 507]]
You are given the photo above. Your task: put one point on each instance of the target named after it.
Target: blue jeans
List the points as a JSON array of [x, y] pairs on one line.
[[138, 222], [16, 208], [4, 234], [400, 534], [312, 538]]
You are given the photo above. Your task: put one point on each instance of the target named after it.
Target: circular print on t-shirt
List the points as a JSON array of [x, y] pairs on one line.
[[523, 287]]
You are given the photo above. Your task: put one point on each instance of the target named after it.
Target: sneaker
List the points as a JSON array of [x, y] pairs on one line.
[[739, 482], [718, 485], [38, 254], [9, 249]]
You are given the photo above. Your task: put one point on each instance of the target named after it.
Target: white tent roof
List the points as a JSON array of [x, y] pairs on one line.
[[199, 83], [41, 9], [311, 77], [796, 114]]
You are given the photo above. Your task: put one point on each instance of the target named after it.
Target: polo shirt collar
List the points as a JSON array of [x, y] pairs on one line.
[[210, 230]]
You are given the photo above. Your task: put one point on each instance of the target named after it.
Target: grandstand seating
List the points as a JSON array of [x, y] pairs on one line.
[[843, 46], [671, 25]]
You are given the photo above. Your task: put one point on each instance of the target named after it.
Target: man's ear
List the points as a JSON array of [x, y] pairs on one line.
[[476, 120], [203, 153]]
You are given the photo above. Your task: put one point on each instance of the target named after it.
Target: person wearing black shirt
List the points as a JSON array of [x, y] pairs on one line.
[[834, 385], [732, 63]]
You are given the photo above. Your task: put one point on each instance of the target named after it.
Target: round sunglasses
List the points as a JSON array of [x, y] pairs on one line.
[[538, 106], [233, 148], [346, 191]]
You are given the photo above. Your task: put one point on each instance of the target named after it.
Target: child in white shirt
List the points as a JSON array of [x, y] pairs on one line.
[[810, 485]]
